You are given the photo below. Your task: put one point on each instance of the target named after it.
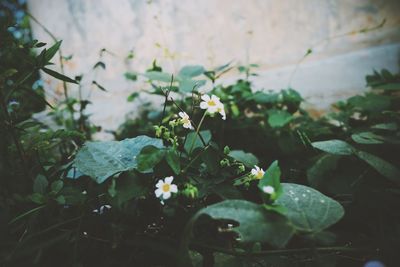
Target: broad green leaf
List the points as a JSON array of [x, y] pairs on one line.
[[383, 167], [279, 118], [321, 169], [59, 76], [256, 224], [158, 76], [193, 140], [336, 147], [148, 158], [370, 102], [173, 160], [191, 71], [40, 184], [187, 85], [248, 159], [309, 210], [265, 98], [101, 160]]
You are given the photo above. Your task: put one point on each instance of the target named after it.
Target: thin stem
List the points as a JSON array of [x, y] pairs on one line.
[[285, 251], [310, 50], [25, 214], [197, 132], [194, 159], [8, 120]]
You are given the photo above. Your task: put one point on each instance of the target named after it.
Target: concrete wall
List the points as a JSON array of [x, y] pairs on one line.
[[274, 34]]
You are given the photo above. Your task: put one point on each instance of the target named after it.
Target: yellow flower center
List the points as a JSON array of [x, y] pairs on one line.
[[211, 103], [165, 187], [185, 121], [259, 175]]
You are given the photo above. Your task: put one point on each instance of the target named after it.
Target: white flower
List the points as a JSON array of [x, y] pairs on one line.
[[102, 209], [211, 104], [268, 189], [165, 188], [185, 120], [221, 110], [257, 172]]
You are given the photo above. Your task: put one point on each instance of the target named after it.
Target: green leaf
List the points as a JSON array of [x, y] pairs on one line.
[[158, 76], [148, 158], [193, 138], [61, 200], [59, 76], [56, 186], [99, 86], [383, 167], [132, 96], [308, 209], [101, 160], [256, 224], [278, 118], [389, 86], [264, 98], [370, 138], [386, 126], [173, 161], [248, 159], [272, 177], [187, 85], [367, 138], [49, 54], [130, 76], [191, 71], [336, 147], [323, 168], [37, 198], [129, 186], [100, 64], [40, 184]]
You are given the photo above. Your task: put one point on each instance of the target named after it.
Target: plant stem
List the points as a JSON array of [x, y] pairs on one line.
[[285, 251], [197, 132]]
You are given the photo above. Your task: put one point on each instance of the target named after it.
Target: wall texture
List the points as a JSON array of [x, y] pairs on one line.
[[274, 34]]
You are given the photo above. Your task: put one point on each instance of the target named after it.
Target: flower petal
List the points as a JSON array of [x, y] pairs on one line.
[[159, 183], [166, 195], [203, 105], [169, 179], [158, 192], [206, 98], [173, 188]]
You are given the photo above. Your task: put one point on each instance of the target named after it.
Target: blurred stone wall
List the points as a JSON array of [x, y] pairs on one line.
[[274, 34]]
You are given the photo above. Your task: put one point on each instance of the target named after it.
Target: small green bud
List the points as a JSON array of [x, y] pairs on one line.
[[227, 150], [241, 167], [224, 163], [190, 191]]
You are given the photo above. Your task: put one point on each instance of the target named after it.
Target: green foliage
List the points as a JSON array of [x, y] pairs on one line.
[[189, 195], [255, 224], [307, 209], [101, 160]]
